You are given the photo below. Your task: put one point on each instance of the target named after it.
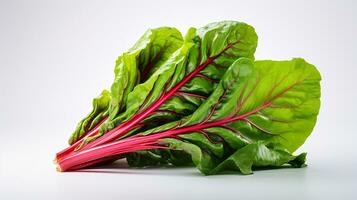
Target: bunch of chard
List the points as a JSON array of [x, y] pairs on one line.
[[200, 100]]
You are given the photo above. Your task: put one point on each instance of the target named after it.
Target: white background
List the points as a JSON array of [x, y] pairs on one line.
[[55, 56]]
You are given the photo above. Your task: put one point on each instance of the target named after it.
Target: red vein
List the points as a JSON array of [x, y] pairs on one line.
[[208, 137], [279, 106], [239, 101], [234, 131], [206, 77], [218, 65], [229, 55], [191, 94], [251, 92], [284, 91], [256, 126], [168, 111], [276, 85], [214, 108], [219, 101], [274, 120]]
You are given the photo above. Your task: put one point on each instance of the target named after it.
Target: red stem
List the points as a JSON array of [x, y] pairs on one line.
[[88, 158], [139, 142], [71, 148]]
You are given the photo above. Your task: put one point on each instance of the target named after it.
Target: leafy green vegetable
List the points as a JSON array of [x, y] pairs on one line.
[[275, 101], [255, 154], [206, 103], [136, 65], [99, 113], [131, 68], [177, 87]]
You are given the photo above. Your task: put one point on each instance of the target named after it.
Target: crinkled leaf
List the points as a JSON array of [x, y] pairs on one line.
[[270, 102], [98, 113], [244, 159], [277, 101], [156, 157], [131, 68], [148, 91], [218, 45], [137, 64]]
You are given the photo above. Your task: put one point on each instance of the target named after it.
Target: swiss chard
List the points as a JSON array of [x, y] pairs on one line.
[[187, 77], [200, 100], [178, 85], [257, 116], [132, 68]]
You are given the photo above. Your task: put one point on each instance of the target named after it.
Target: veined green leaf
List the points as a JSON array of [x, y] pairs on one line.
[[244, 159], [98, 113], [142, 60], [132, 68], [148, 91], [205, 55], [224, 42], [277, 101], [156, 157], [258, 115], [215, 47]]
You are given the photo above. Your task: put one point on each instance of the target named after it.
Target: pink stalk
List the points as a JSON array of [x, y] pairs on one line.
[[88, 158], [143, 142], [71, 148], [94, 162]]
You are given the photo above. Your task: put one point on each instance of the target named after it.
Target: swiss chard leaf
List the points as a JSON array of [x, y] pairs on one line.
[[98, 113], [277, 101], [159, 157], [177, 88], [131, 68], [257, 116], [137, 64], [206, 55], [222, 43], [244, 159]]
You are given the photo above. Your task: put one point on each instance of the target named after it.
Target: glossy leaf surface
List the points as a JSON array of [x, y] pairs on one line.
[[272, 103]]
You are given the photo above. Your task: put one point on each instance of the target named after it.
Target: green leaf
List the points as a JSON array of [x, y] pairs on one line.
[[221, 42], [244, 159], [276, 101], [148, 91], [294, 94], [258, 155], [156, 157], [142, 60], [227, 130], [201, 159], [131, 68], [98, 113]]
